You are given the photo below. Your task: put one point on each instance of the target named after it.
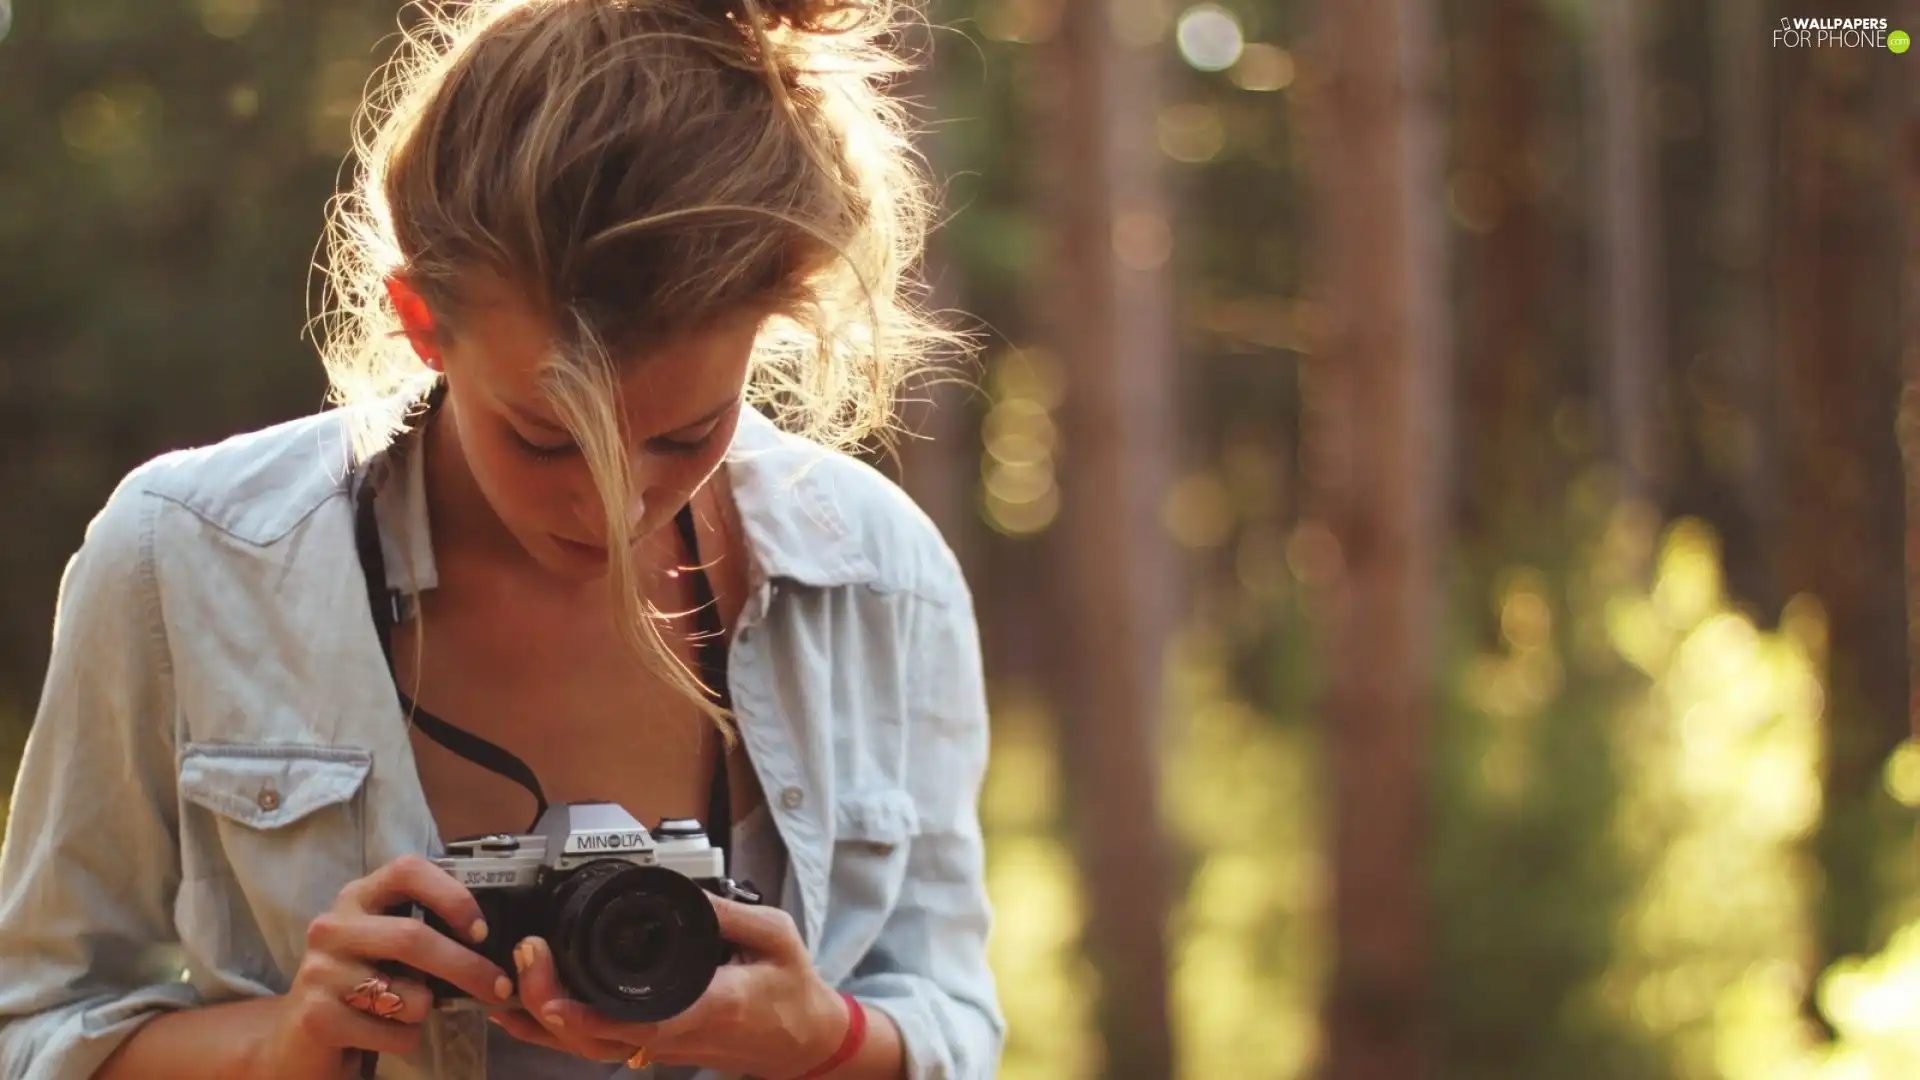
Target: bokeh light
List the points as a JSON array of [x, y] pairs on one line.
[[1210, 37]]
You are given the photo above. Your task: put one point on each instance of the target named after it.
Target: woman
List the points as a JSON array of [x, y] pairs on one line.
[[544, 552]]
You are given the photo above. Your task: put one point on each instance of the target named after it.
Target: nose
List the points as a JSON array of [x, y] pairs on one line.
[[590, 510]]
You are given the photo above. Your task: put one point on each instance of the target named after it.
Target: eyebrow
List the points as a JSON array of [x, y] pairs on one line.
[[556, 428], [705, 419], [528, 419]]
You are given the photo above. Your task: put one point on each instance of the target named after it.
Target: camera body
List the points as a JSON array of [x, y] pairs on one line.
[[624, 908]]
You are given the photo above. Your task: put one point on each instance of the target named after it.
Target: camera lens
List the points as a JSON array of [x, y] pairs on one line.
[[630, 937], [638, 943]]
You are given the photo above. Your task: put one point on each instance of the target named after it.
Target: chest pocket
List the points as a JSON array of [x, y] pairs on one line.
[[268, 835], [872, 830]]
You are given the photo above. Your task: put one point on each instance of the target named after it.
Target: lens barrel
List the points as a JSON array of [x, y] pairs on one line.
[[637, 943]]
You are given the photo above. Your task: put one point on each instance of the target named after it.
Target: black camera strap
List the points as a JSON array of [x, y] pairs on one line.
[[709, 649]]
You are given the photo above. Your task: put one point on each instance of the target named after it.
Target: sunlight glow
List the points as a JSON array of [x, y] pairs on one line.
[[1210, 37], [1713, 731], [1264, 68], [1903, 774], [1720, 764], [1019, 492], [1248, 953]]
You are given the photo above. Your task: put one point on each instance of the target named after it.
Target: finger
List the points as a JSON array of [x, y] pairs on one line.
[[722, 1003], [353, 1030], [767, 931], [541, 994], [328, 1021], [412, 878], [413, 943], [579, 1029], [399, 1000], [599, 1026], [539, 984], [525, 1028]]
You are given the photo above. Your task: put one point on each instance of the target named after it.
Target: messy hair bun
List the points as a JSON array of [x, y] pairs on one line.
[[806, 16]]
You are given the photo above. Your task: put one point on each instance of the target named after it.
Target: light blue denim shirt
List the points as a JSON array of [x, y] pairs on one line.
[[218, 747]]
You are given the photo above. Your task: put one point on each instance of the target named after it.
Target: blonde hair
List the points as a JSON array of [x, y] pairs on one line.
[[640, 170]]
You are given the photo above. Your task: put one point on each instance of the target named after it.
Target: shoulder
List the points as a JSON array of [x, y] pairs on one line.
[[823, 517], [162, 541], [256, 487]]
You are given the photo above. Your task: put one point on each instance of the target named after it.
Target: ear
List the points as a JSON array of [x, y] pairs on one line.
[[416, 320]]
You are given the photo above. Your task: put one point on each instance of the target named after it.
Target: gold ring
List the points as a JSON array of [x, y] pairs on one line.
[[639, 1059], [374, 995]]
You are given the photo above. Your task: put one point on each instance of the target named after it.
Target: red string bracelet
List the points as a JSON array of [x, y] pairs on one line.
[[849, 1046]]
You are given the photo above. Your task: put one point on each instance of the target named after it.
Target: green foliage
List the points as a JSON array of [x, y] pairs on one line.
[[1527, 889]]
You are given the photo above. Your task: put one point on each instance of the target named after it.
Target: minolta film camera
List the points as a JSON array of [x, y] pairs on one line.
[[623, 907]]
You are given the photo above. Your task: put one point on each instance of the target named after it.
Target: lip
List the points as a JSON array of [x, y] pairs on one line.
[[577, 548]]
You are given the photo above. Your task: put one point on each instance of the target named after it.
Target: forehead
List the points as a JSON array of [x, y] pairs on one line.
[[507, 345]]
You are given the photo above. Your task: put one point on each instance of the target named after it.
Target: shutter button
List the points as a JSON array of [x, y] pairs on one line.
[[269, 800], [791, 798]]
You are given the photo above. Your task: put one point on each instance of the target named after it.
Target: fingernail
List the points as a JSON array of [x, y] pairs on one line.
[[520, 961], [503, 988], [479, 931], [554, 1019], [496, 1021]]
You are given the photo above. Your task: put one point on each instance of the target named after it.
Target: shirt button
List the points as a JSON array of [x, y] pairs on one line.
[[792, 797], [269, 800]]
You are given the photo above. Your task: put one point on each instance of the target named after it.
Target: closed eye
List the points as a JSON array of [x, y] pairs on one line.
[[691, 439], [682, 444], [696, 436], [540, 451]]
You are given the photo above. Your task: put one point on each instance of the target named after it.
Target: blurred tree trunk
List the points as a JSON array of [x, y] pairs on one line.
[[1376, 410], [1112, 567], [1626, 242], [1747, 366], [1838, 283], [1508, 387]]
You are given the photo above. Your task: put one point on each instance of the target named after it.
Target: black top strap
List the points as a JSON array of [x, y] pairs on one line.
[[709, 648]]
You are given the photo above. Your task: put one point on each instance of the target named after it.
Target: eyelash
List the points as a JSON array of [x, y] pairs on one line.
[[658, 446], [543, 453], [672, 446]]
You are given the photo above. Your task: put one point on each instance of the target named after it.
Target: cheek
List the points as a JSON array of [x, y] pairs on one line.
[[672, 479]]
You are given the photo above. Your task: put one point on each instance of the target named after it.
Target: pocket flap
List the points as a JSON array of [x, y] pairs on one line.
[[886, 817], [267, 786]]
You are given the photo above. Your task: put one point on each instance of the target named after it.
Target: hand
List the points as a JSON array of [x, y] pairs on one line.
[[768, 1014], [318, 1028]]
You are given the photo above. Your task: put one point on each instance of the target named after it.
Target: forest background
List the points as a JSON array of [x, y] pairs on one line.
[[1434, 489]]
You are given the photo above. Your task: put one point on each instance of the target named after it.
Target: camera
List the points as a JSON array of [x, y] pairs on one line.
[[623, 907]]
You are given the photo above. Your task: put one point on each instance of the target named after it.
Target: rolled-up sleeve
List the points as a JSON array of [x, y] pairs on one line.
[[928, 971], [89, 865]]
